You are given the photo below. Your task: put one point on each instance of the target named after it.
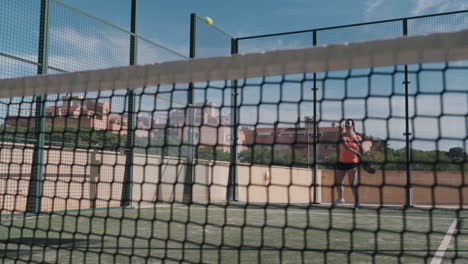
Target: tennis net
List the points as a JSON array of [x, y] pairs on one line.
[[193, 186]]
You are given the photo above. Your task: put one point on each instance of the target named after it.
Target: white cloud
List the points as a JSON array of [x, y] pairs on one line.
[[273, 43], [371, 7], [381, 9], [73, 49], [240, 34], [424, 6]]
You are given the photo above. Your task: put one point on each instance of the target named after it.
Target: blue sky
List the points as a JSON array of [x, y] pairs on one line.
[[167, 22]]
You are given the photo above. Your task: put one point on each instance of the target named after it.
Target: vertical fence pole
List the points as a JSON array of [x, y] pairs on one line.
[[93, 176], [33, 204], [232, 188], [188, 181], [316, 136], [407, 133], [128, 174]]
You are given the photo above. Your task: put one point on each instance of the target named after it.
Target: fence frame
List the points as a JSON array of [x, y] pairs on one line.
[[35, 188], [407, 134]]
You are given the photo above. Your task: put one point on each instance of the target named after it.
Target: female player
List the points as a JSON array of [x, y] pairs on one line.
[[348, 161]]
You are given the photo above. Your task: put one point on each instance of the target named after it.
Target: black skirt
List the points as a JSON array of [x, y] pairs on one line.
[[346, 166]]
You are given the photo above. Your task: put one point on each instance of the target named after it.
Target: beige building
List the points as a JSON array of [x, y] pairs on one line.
[[76, 111], [301, 139], [211, 127]]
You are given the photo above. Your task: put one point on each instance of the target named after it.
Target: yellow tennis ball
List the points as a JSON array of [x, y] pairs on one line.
[[208, 21]]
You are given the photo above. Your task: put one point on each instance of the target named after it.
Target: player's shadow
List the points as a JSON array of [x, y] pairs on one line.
[[25, 246]]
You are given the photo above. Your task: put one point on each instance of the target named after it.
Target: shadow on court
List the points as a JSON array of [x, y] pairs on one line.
[[15, 247]]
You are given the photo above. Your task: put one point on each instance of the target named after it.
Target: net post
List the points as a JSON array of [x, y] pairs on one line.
[[315, 127], [33, 204], [188, 180], [409, 202], [128, 174], [232, 188]]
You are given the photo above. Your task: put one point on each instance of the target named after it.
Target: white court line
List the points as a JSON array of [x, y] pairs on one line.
[[437, 259]]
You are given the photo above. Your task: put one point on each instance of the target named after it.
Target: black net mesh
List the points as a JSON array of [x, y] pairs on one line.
[[66, 194], [275, 218]]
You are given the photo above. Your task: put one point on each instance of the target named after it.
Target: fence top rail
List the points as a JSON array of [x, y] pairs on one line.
[[202, 19], [352, 25]]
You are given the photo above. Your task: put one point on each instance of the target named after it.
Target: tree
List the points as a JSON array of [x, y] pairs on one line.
[[262, 155], [330, 161], [423, 160], [395, 159], [156, 145], [444, 163], [259, 155], [456, 154], [373, 157], [85, 137], [245, 156], [291, 158], [212, 153]]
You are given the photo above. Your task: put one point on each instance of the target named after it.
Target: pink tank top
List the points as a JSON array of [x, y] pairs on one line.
[[347, 156]]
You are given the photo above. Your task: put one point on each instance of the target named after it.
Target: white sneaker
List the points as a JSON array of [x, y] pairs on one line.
[[356, 206], [339, 201]]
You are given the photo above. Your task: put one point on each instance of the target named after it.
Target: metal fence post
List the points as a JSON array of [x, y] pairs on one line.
[[316, 137], [407, 133], [232, 188], [94, 172], [33, 204], [128, 174], [188, 180]]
